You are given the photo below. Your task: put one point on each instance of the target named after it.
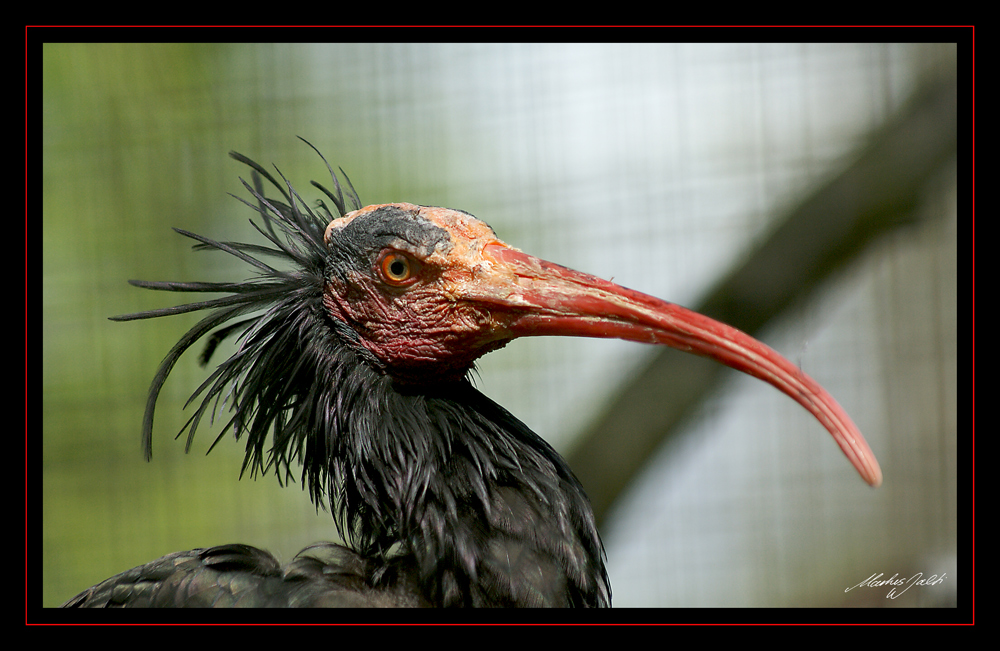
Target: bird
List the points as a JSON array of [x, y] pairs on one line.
[[356, 341]]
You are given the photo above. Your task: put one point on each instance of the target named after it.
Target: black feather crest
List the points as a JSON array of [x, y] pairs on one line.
[[286, 340]]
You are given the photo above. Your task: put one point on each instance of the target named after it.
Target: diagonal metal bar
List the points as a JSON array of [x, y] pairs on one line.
[[825, 232]]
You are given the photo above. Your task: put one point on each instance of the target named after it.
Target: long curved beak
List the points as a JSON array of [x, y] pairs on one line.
[[542, 298]]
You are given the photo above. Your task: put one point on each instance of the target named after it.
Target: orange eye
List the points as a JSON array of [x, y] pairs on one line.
[[397, 269]]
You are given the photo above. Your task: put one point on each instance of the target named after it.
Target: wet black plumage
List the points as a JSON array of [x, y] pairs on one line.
[[444, 497]]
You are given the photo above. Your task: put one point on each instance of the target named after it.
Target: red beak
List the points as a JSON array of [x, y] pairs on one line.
[[547, 299]]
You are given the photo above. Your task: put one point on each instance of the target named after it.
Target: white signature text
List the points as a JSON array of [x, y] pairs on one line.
[[898, 585]]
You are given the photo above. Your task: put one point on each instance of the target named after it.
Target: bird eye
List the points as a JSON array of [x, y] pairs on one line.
[[397, 269]]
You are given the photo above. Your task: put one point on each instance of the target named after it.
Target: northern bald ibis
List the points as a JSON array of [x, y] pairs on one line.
[[356, 360]]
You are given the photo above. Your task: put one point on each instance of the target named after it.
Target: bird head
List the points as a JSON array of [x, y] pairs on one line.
[[420, 293], [429, 290], [405, 277]]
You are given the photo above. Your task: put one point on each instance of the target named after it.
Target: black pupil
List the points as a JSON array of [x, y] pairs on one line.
[[398, 267]]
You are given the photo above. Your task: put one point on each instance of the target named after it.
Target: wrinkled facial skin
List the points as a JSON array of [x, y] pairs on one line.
[[403, 280]]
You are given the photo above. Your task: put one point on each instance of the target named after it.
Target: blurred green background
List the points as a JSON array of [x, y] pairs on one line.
[[655, 164]]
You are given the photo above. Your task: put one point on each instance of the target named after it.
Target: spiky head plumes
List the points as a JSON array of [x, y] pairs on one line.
[[289, 349]]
